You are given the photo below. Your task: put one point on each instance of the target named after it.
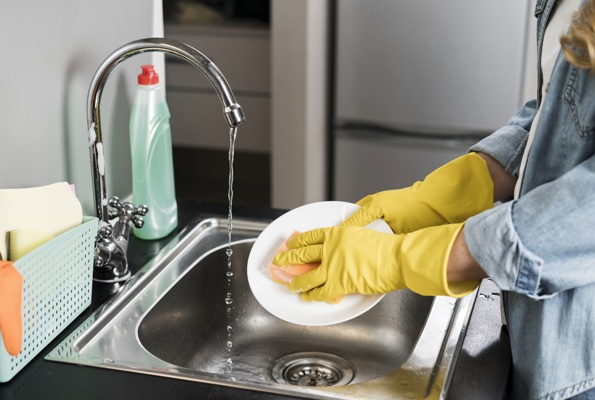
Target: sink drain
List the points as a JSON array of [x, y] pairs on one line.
[[312, 369]]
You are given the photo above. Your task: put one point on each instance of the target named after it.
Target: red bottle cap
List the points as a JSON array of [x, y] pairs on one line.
[[148, 76]]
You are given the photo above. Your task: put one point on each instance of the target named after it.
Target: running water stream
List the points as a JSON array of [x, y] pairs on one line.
[[229, 251]]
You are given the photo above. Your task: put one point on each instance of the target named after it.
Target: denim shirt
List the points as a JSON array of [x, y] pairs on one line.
[[540, 248]]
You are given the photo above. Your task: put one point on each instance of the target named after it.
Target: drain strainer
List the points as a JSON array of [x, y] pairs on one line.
[[312, 369]]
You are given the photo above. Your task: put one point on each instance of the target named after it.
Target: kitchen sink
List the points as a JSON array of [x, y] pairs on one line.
[[187, 314]]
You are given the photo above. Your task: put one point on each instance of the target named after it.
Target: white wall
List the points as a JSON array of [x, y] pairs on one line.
[[298, 101], [51, 49]]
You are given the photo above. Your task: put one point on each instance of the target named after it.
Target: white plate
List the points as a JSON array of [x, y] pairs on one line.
[[275, 297]]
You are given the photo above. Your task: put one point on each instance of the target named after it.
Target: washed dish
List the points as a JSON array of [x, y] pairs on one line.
[[275, 297]]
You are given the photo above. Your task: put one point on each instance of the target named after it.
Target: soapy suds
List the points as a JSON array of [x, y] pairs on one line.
[[92, 134], [100, 159]]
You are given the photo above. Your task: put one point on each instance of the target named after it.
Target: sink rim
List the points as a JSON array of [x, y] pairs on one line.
[[100, 339]]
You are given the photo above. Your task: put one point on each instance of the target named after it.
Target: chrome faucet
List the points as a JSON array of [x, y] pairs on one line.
[[110, 252]]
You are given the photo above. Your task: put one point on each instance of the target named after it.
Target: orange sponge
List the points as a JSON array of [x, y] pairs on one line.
[[284, 274], [11, 289]]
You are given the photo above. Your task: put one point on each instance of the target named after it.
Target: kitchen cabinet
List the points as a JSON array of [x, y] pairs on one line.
[[242, 53], [200, 134], [283, 93]]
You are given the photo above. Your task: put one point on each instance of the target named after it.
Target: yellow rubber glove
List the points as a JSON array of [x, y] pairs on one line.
[[360, 260], [452, 193]]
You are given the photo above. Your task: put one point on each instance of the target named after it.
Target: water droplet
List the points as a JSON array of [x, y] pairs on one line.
[[229, 273], [228, 301], [229, 344], [229, 328], [229, 251], [228, 310], [229, 361]]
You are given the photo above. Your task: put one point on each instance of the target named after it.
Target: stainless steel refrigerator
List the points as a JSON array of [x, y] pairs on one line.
[[417, 82]]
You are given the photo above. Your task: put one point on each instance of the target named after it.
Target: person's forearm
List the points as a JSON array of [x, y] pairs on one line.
[[461, 265], [503, 182]]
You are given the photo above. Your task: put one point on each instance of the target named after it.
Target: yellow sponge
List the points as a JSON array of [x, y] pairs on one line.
[[21, 241], [53, 209]]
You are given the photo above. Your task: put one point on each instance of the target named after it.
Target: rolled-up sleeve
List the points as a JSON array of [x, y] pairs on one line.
[[508, 143], [494, 243], [543, 242]]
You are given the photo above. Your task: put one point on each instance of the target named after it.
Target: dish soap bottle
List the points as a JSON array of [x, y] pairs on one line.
[[152, 159]]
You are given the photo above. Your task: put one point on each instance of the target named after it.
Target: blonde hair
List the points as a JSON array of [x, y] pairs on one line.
[[579, 43]]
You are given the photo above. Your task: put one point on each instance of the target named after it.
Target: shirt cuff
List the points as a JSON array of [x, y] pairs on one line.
[[494, 243]]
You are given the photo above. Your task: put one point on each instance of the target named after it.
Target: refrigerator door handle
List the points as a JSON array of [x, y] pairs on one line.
[[369, 130]]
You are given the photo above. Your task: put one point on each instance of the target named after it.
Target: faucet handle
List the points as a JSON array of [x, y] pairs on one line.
[[111, 242], [126, 211], [105, 245], [140, 210], [116, 207], [105, 232]]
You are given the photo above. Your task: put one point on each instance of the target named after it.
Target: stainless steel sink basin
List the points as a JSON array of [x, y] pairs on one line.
[[174, 319], [180, 331]]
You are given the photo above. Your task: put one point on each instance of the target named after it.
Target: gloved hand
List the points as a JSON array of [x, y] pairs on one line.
[[11, 285], [452, 193], [360, 260]]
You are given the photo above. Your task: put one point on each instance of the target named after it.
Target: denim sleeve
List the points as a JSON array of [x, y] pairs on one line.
[[507, 144], [542, 243]]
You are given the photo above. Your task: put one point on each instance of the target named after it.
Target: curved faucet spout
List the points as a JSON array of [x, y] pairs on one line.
[[231, 109]]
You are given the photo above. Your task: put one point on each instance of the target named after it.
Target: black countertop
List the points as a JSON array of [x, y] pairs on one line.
[[480, 373]]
